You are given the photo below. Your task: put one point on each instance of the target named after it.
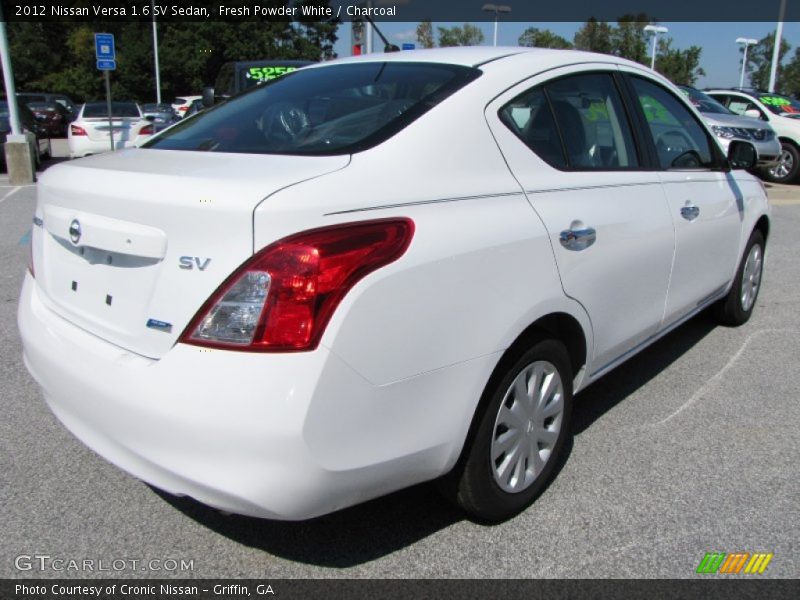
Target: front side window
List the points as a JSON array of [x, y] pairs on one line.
[[780, 105], [681, 142], [338, 109], [577, 122]]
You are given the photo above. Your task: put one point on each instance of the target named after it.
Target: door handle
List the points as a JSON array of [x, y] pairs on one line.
[[690, 212], [578, 237]]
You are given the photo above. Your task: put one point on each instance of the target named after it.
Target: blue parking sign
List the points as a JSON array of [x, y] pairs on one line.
[[104, 46]]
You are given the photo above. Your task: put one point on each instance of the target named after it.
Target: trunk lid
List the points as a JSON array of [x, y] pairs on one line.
[[124, 129], [130, 244]]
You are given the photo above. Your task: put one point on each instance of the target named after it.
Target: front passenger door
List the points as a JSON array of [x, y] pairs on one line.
[[704, 200]]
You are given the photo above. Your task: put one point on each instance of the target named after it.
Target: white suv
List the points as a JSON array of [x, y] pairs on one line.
[[382, 270], [782, 114]]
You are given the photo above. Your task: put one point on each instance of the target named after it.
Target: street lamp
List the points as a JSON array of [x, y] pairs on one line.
[[496, 9], [747, 42], [655, 30]]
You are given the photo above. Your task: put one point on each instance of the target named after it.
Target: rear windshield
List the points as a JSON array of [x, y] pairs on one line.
[[317, 111], [118, 109]]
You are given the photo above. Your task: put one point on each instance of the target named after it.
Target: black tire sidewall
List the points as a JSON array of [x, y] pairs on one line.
[[732, 312], [478, 492]]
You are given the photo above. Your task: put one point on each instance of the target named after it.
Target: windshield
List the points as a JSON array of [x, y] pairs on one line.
[[780, 105], [94, 110], [317, 111], [704, 103]]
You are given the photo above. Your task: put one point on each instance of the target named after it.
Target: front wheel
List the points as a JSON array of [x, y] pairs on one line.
[[521, 435], [788, 166], [736, 308]]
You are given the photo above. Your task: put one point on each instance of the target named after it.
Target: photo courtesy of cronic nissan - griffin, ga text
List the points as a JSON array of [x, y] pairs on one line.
[[382, 270]]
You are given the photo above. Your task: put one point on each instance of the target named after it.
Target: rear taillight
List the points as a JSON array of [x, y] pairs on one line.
[[77, 130], [147, 130], [282, 298], [183, 108]]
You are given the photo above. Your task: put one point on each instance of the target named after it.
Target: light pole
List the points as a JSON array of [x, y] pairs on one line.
[[155, 52], [496, 9], [654, 30], [747, 42], [776, 48]]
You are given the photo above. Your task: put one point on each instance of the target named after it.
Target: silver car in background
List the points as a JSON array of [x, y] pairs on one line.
[[728, 126]]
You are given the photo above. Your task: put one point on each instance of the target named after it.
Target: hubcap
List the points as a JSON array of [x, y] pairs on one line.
[[751, 278], [784, 166], [527, 426]]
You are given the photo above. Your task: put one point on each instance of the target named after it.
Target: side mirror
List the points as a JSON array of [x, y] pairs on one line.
[[754, 113], [208, 97], [742, 155], [150, 118]]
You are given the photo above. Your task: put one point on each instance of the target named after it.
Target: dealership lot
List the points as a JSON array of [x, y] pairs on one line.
[[689, 448]]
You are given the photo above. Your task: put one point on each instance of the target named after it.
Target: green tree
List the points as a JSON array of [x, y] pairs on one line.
[[628, 37], [542, 38], [759, 61], [425, 34], [466, 35], [791, 75], [682, 67], [594, 36]]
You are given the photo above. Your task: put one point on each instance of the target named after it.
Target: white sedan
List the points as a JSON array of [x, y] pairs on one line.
[[91, 132], [382, 270]]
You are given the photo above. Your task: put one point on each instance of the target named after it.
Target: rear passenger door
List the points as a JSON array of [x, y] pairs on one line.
[[568, 138], [704, 201]]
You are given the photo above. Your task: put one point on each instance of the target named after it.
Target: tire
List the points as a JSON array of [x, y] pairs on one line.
[[787, 170], [492, 485], [735, 309]]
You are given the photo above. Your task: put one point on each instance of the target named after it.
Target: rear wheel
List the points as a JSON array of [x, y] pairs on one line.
[[788, 166], [520, 436], [737, 306]]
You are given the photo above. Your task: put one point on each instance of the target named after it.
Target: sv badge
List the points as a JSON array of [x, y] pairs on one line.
[[189, 262]]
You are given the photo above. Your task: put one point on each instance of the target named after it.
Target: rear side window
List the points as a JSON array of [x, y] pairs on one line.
[[320, 111], [681, 142], [577, 122]]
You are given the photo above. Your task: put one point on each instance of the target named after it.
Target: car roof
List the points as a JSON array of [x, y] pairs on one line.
[[476, 56]]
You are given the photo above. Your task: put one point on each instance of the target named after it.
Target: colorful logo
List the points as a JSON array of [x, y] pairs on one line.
[[734, 563]]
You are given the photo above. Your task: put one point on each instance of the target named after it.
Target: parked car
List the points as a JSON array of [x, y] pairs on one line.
[[382, 270], [195, 107], [728, 126], [91, 132], [62, 99], [160, 115], [37, 137], [181, 104], [782, 114], [52, 118]]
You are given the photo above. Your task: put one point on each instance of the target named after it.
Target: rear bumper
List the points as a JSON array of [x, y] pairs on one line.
[[286, 436], [82, 146]]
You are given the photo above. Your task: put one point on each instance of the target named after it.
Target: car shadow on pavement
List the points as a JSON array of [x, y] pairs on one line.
[[369, 531], [346, 538], [603, 395]]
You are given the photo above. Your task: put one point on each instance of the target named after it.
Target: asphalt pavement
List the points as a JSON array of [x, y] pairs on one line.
[[691, 447]]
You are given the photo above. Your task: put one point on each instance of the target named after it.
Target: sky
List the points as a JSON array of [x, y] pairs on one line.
[[720, 58]]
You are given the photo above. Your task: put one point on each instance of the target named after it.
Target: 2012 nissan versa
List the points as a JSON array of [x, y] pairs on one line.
[[379, 271]]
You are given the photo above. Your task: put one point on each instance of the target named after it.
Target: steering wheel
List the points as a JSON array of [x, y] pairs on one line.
[[285, 121]]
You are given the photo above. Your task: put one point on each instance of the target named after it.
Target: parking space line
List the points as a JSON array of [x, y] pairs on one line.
[[9, 194], [719, 375]]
